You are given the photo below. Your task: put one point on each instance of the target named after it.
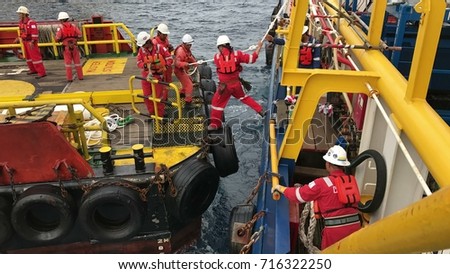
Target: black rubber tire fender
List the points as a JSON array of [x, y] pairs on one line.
[[239, 216], [43, 214], [111, 213], [205, 71], [372, 205], [208, 87], [196, 182], [6, 229], [224, 153]]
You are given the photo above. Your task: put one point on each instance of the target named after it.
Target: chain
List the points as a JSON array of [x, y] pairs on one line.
[[255, 237], [10, 172], [162, 176], [168, 175], [125, 184], [263, 178], [249, 225]]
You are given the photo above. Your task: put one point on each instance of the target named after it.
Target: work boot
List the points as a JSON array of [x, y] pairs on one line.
[[262, 113], [212, 127]]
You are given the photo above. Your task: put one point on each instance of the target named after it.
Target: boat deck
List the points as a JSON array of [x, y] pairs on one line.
[[112, 76]]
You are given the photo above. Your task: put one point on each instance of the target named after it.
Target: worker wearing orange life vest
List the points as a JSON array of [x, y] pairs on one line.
[[309, 57], [228, 63], [69, 34], [340, 219], [162, 39], [29, 34], [152, 59], [183, 57]]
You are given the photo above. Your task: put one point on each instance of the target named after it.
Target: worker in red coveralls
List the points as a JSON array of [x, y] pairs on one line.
[[29, 34], [228, 63], [162, 39], [340, 219], [183, 58], [69, 34], [153, 60]]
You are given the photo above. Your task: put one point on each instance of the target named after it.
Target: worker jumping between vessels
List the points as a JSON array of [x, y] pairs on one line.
[[153, 60], [29, 34], [162, 39], [183, 59], [335, 203], [68, 34], [228, 63]]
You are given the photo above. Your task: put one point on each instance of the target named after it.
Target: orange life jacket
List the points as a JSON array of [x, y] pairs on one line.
[[156, 63], [306, 56], [23, 31], [347, 188], [68, 31], [347, 191], [228, 63]]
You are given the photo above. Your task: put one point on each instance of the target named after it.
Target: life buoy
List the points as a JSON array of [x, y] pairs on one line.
[[372, 205], [5, 225], [111, 213], [204, 71], [43, 214], [196, 182], [239, 216], [224, 152]]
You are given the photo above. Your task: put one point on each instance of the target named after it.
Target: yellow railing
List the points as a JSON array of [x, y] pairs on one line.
[[75, 117], [154, 99], [85, 43]]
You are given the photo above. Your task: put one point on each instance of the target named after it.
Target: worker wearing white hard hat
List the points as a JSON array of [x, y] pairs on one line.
[[162, 38], [228, 62], [153, 60], [69, 34], [183, 61], [335, 197], [29, 35]]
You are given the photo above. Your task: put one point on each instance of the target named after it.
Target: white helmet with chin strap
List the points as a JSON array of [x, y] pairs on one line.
[[142, 38], [222, 40], [63, 15], [23, 10], [187, 39], [336, 155], [163, 28]]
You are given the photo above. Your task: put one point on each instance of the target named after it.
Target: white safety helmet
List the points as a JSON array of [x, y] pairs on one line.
[[305, 29], [63, 15], [142, 38], [163, 28], [187, 39], [336, 155], [222, 40], [23, 10]]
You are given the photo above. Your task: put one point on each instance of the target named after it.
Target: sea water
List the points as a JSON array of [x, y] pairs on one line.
[[245, 22]]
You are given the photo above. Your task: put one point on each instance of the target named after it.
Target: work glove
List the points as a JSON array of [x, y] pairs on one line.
[[278, 188]]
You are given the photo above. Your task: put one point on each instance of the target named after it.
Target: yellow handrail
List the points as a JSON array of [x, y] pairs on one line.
[[85, 43], [274, 159]]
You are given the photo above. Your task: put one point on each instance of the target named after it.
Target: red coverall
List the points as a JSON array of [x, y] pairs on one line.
[[68, 34], [326, 196], [183, 56], [233, 86], [168, 74], [142, 63], [29, 34]]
